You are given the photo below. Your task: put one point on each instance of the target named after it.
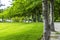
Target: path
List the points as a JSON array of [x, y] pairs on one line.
[[56, 35], [57, 26]]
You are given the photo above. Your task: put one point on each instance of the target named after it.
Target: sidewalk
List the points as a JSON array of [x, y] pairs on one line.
[[55, 35]]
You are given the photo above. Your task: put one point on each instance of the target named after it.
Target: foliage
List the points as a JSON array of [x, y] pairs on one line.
[[16, 19], [23, 7], [57, 9]]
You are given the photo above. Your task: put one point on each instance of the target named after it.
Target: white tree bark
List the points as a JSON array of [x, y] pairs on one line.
[[52, 15], [46, 35]]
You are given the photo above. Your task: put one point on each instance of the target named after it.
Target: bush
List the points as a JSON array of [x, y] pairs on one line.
[[58, 20], [16, 19]]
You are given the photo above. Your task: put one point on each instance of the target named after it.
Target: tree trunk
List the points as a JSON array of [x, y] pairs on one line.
[[46, 35], [52, 15], [34, 17], [38, 17]]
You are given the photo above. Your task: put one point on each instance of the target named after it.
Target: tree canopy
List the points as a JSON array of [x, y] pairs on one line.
[[24, 7]]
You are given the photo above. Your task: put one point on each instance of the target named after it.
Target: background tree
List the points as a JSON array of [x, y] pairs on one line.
[[25, 7], [52, 15], [56, 10]]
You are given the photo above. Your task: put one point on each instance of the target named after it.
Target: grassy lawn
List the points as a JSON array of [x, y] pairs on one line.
[[20, 31]]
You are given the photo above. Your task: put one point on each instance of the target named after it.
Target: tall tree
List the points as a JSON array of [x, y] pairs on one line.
[[52, 15], [46, 35]]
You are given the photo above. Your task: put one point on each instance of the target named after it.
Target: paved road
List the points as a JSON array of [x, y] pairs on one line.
[[57, 26]]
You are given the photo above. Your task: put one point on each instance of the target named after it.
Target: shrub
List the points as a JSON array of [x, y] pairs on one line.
[[16, 19]]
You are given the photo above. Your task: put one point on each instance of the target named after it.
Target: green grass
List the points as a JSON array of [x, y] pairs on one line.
[[20, 31]]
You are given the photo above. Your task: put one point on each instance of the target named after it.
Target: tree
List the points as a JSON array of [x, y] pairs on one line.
[[24, 7], [56, 10], [52, 15], [1, 10], [46, 35]]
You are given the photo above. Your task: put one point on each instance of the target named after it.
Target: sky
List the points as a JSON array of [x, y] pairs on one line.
[[6, 3]]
